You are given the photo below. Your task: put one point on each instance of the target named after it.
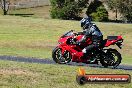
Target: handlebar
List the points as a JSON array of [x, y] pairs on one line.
[[78, 33], [71, 41]]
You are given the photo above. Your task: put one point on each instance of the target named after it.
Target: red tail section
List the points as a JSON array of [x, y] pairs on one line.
[[111, 40]]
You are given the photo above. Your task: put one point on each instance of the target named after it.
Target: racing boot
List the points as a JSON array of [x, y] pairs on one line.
[[85, 57], [84, 54]]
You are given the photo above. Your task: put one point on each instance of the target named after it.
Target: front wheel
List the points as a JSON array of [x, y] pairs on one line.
[[112, 58], [59, 58]]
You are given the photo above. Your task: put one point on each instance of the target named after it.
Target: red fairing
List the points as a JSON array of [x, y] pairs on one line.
[[111, 42], [75, 50], [63, 40]]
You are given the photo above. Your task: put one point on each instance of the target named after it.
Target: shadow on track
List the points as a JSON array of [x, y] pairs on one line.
[[49, 61]]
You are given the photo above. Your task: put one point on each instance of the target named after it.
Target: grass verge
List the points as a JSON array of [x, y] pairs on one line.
[[25, 75]]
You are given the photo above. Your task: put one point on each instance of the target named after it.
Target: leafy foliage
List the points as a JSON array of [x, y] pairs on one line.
[[67, 9], [97, 11]]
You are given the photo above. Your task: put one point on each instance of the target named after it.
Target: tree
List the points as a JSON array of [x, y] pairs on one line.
[[122, 6], [97, 11], [5, 6], [114, 5], [125, 8], [67, 9]]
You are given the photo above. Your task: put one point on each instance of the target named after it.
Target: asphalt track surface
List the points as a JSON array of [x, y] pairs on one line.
[[50, 61]]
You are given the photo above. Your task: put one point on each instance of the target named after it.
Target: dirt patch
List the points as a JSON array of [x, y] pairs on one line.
[[17, 72], [32, 45], [40, 46]]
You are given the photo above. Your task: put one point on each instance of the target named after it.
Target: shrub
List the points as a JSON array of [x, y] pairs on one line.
[[67, 9], [97, 11]]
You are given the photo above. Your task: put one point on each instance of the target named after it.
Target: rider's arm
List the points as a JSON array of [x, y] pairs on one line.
[[86, 35], [83, 39]]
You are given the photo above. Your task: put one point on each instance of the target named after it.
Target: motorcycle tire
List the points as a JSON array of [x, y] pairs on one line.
[[119, 57], [117, 62], [59, 58]]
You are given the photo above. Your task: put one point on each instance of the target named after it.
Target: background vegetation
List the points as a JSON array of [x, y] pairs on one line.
[[67, 9], [71, 9], [75, 9], [124, 7], [97, 11]]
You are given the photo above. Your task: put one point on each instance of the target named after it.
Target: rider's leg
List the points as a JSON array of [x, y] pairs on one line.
[[87, 49]]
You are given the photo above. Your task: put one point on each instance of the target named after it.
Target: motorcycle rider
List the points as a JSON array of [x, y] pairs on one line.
[[92, 31]]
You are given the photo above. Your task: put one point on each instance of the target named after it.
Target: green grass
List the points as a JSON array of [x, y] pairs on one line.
[[25, 75], [37, 12], [36, 37], [19, 35]]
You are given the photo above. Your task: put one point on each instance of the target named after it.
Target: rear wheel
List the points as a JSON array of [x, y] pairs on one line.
[[112, 58], [117, 58], [59, 58]]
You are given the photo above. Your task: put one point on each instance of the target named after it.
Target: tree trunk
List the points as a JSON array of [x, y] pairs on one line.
[[4, 8], [116, 14]]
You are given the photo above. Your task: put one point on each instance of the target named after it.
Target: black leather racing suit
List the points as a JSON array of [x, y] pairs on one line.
[[95, 34]]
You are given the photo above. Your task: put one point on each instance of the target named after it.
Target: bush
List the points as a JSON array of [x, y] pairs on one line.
[[97, 11], [67, 9]]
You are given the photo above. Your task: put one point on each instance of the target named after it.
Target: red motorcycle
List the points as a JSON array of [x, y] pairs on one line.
[[67, 50]]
